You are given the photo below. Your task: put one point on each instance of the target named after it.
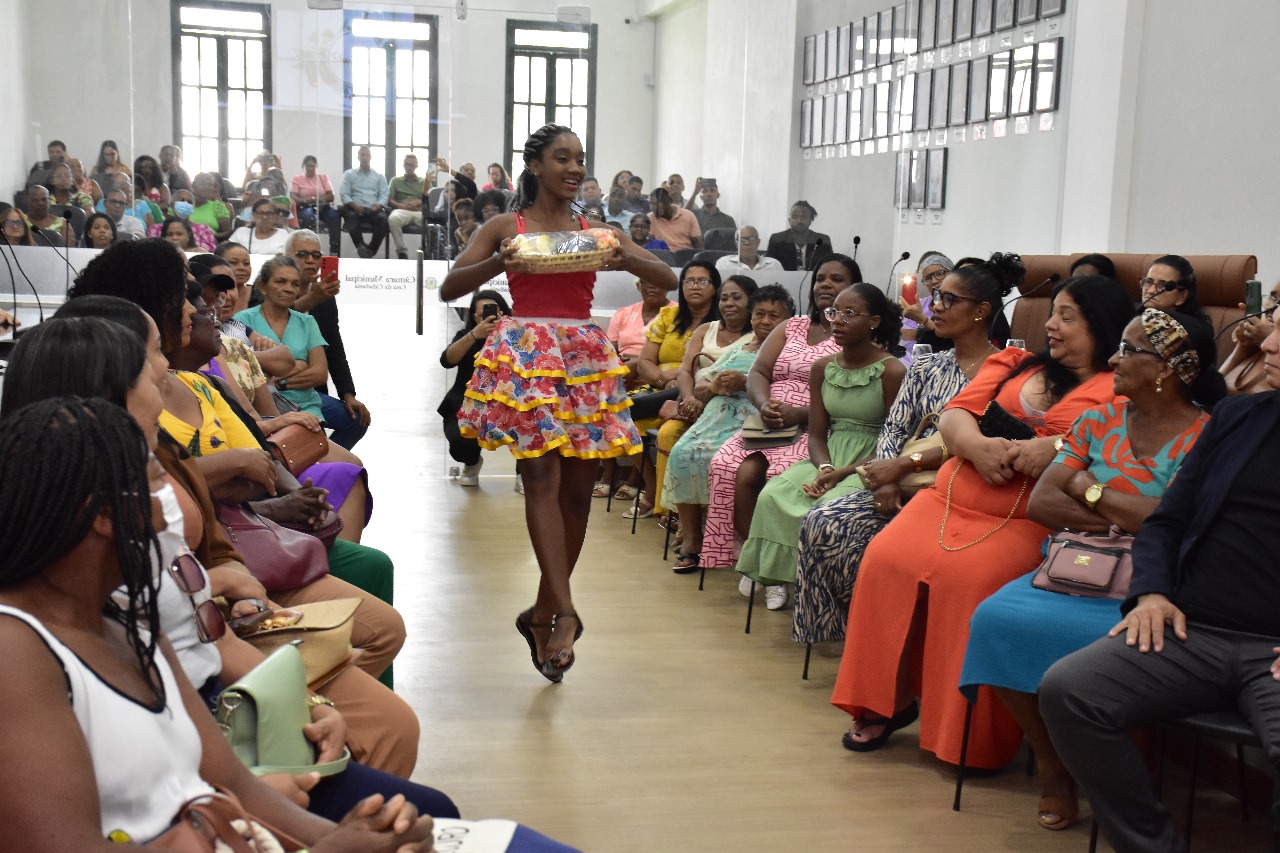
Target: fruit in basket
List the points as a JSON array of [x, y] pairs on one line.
[[566, 242]]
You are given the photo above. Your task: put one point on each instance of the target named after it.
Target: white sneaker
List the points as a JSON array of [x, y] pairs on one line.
[[746, 587], [519, 485], [471, 474], [775, 597]]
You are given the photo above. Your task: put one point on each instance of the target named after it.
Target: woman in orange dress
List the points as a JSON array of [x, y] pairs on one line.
[[958, 542]]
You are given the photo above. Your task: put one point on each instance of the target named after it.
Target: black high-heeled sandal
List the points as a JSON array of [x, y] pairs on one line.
[[550, 669], [525, 625], [900, 720]]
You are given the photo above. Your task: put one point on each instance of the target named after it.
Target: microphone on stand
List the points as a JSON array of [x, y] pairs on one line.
[[1052, 279], [64, 258], [856, 242], [904, 256], [36, 293]]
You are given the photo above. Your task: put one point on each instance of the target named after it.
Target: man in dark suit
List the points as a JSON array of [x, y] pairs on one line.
[[1201, 630], [799, 248]]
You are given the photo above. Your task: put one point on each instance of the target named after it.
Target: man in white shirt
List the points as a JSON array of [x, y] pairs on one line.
[[127, 227], [748, 261]]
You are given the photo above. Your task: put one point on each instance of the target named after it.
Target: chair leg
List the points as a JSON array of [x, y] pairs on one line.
[[1244, 793], [635, 511], [613, 484], [964, 754], [672, 518], [1093, 837], [751, 603], [702, 577], [1191, 790], [808, 650]]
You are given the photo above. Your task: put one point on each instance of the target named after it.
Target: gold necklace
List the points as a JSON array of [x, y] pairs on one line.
[[966, 368]]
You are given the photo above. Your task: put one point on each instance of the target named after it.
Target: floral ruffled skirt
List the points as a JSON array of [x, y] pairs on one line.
[[541, 386]]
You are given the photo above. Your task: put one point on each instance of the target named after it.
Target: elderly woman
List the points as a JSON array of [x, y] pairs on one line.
[[962, 539], [720, 391], [1114, 466], [834, 535], [778, 386]]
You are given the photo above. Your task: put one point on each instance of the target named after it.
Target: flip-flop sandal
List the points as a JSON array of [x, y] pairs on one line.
[[625, 493], [600, 490], [686, 563]]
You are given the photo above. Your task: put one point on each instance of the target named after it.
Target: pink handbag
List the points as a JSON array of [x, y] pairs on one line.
[[1090, 565]]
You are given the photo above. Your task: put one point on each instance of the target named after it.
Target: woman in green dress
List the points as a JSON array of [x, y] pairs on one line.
[[721, 386], [850, 392]]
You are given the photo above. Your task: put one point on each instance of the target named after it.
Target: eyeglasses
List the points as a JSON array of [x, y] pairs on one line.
[[699, 281], [190, 578], [13, 223], [302, 256], [115, 201], [945, 299], [748, 239], [846, 315], [1158, 285], [933, 277], [1126, 348]]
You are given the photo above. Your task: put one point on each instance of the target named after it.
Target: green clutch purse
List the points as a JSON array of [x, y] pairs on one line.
[[262, 716]]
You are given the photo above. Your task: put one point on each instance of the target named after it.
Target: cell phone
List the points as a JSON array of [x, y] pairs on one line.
[[1253, 297], [328, 266], [490, 310], [907, 286]]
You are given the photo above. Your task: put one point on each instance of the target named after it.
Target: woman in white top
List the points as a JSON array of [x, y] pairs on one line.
[[98, 711], [262, 237]]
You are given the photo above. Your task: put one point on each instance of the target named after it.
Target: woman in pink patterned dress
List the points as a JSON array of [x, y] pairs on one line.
[[547, 383], [778, 385]]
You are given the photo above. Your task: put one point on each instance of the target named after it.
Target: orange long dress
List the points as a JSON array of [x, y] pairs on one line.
[[905, 571]]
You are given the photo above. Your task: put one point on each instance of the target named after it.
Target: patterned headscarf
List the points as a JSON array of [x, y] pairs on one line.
[[1173, 342]]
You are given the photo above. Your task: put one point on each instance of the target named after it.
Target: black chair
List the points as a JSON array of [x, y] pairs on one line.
[[666, 256], [964, 754], [683, 256], [720, 240], [77, 216]]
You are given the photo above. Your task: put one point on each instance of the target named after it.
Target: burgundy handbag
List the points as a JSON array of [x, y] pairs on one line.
[[278, 557], [326, 532], [298, 448], [1090, 565]]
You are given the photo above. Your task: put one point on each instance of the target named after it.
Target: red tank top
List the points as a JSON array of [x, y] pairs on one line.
[[566, 295]]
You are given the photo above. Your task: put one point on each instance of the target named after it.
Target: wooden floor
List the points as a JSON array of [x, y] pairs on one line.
[[675, 731]]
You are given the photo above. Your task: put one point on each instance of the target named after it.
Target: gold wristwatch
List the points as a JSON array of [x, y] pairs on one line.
[[1059, 444], [917, 459], [1093, 494]]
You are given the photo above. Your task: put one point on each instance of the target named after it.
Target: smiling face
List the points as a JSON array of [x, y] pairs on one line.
[[205, 341], [561, 167], [468, 169], [733, 305], [1070, 340], [831, 279], [241, 266]]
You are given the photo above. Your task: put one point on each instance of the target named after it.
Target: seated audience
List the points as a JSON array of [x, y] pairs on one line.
[[748, 260], [1198, 630], [639, 227], [41, 174], [64, 192], [237, 257], [709, 214], [83, 182], [488, 204], [342, 411], [465, 215], [263, 176], [799, 247], [14, 227], [461, 353], [1115, 464], [91, 677], [1245, 368], [778, 386], [313, 194], [930, 272], [620, 180], [171, 171], [149, 181], [404, 198], [178, 232], [674, 186], [498, 179], [47, 229], [108, 164], [99, 232], [209, 208], [615, 211], [960, 540], [672, 224], [364, 197], [1094, 264], [589, 192], [139, 209], [1170, 284], [720, 391], [636, 200], [263, 236], [201, 235], [849, 394], [834, 534]]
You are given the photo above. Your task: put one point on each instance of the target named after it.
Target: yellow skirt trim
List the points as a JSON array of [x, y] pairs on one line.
[[567, 417], [621, 447], [620, 370]]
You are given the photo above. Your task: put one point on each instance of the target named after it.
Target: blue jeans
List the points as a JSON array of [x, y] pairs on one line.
[[347, 431], [332, 219]]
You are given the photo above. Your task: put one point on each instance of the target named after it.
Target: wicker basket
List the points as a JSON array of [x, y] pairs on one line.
[[574, 262], [539, 251]]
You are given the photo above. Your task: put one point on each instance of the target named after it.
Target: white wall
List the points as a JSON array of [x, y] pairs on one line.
[[16, 154], [307, 66]]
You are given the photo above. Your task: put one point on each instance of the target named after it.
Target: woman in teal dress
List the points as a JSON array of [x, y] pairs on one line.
[[721, 386], [850, 392], [1113, 468]]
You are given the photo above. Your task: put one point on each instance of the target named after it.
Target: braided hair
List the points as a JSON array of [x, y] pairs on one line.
[[86, 356], [534, 146], [63, 462]]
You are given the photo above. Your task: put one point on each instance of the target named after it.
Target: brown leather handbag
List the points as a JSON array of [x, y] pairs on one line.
[[1090, 565], [205, 820], [298, 448]]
